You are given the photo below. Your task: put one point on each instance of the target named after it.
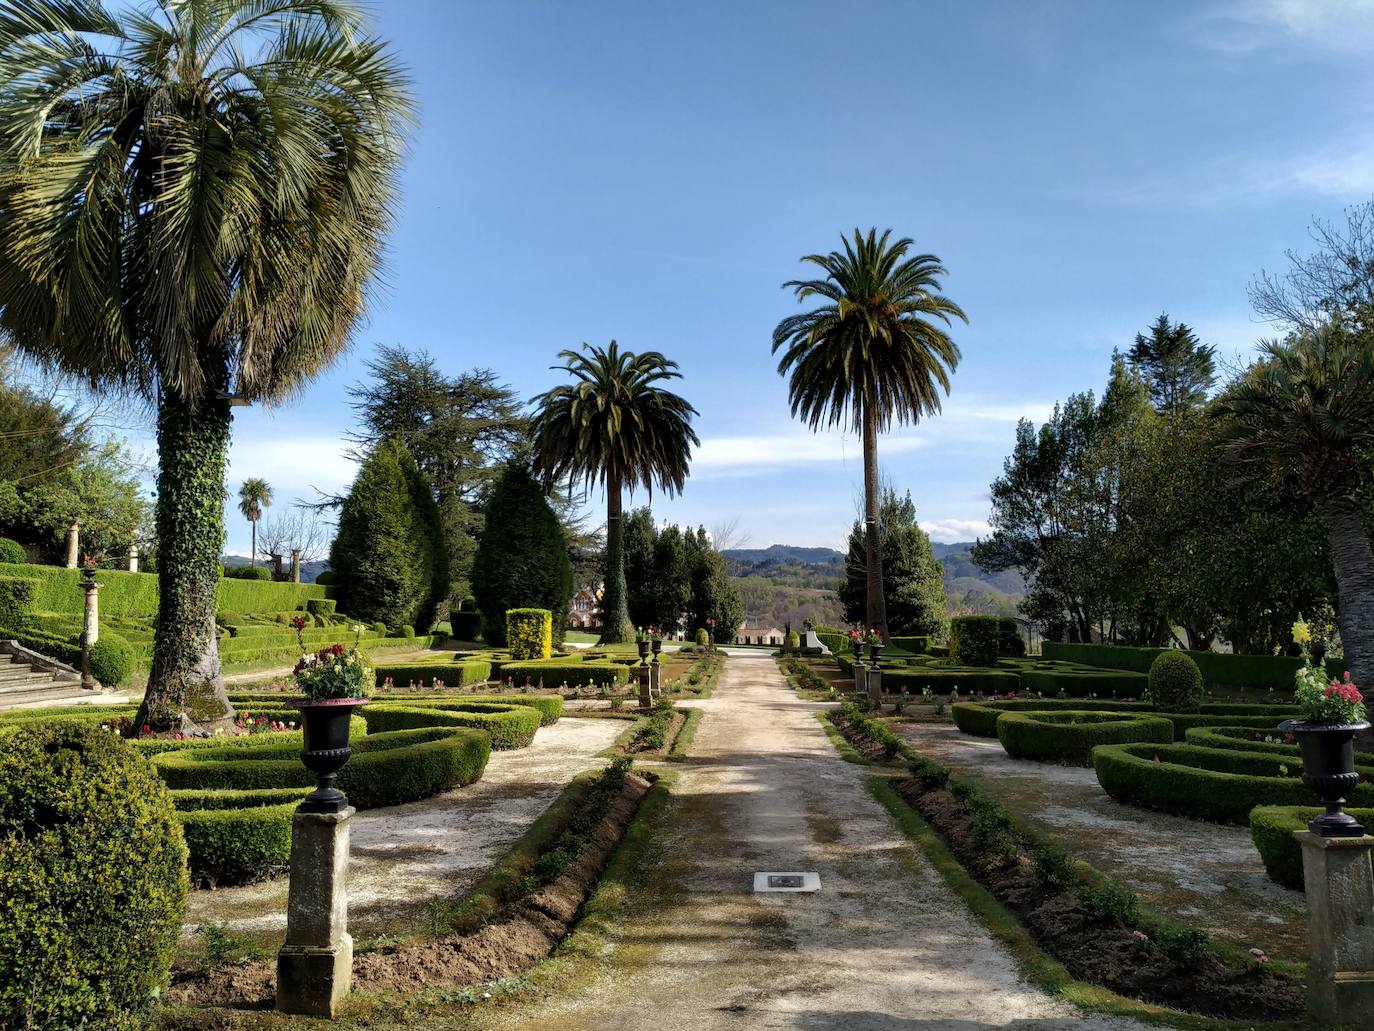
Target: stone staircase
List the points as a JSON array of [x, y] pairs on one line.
[[28, 680]]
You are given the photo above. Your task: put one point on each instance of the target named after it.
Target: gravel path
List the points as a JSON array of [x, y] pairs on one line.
[[883, 945], [404, 855], [1202, 874]]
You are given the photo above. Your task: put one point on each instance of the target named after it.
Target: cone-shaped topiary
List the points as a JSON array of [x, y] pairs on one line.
[[1175, 683], [522, 561], [92, 879]]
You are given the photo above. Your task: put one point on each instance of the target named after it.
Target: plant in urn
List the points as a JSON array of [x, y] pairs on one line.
[[1333, 713], [334, 682]]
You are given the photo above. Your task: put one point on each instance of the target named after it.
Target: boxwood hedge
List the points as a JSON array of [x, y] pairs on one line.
[[552, 673], [1070, 737], [235, 837], [1272, 828], [1206, 783], [453, 674], [980, 717], [510, 726]]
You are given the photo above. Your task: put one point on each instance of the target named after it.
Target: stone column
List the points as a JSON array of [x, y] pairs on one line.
[[646, 697], [295, 565], [133, 558], [73, 543], [315, 966], [1340, 911], [655, 686], [90, 633], [875, 688]]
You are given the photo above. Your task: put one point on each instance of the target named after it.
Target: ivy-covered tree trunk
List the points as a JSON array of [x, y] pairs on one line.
[[877, 604], [615, 615], [186, 687], [1354, 562]]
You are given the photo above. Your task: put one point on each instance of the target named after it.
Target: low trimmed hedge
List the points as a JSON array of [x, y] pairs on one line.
[[1079, 682], [917, 645], [236, 837], [1206, 783], [944, 679], [574, 674], [453, 674], [550, 706], [386, 769], [510, 726], [1276, 671], [1070, 737], [1272, 828], [979, 718]]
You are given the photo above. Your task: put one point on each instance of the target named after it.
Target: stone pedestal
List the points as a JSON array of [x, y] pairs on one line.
[[90, 633], [1340, 911], [73, 543], [655, 684], [875, 688], [646, 696], [295, 565], [315, 966], [133, 558]]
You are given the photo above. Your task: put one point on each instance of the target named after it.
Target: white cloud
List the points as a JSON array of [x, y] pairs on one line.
[[1244, 26], [952, 531], [738, 455]]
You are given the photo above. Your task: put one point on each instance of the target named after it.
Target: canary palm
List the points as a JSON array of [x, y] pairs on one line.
[[618, 427], [193, 196], [255, 494], [873, 352], [1305, 413]]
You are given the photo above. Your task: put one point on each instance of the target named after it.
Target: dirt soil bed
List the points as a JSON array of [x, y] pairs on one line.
[[521, 934], [1200, 874], [1103, 952]]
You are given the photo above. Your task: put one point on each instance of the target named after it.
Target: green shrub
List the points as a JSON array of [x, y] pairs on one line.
[[1111, 900], [92, 880], [466, 626], [1080, 682], [555, 672], [703, 639], [16, 601], [1218, 668], [917, 645], [980, 717], [386, 769], [11, 552], [944, 679], [453, 674], [1010, 643], [973, 640], [389, 558], [326, 577], [1205, 783], [792, 642], [1272, 829], [1175, 683], [112, 660], [1070, 737], [529, 633], [248, 573], [407, 631], [510, 726], [244, 836], [522, 558], [325, 607], [229, 618]]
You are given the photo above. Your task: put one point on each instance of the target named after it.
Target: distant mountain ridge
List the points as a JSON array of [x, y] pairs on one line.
[[783, 553]]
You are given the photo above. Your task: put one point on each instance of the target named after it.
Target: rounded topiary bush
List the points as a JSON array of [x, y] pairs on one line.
[[112, 660], [1175, 683], [792, 642], [10, 551], [703, 638], [92, 879]]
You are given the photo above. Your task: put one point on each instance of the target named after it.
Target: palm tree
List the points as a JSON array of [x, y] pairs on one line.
[[1304, 413], [255, 494], [614, 426], [193, 196], [871, 353]]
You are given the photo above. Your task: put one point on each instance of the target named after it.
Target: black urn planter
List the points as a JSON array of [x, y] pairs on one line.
[[874, 651], [858, 650], [1328, 768], [657, 645], [643, 651], [326, 726]]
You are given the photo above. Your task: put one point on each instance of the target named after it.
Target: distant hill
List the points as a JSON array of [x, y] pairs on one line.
[[787, 582], [309, 570]]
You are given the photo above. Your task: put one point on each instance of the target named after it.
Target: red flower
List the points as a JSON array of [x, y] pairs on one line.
[[147, 729], [298, 622]]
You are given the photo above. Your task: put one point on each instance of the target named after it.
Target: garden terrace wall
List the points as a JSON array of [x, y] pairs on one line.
[[1206, 783], [135, 594], [1070, 737], [1220, 668]]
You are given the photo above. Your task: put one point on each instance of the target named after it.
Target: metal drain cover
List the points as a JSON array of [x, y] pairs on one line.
[[793, 881]]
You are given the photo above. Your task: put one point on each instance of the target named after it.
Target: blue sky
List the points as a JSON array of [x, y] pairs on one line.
[[653, 172]]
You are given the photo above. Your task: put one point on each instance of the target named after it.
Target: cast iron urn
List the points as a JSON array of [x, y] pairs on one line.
[[657, 645], [326, 726], [1328, 768], [643, 649], [858, 646], [874, 651]]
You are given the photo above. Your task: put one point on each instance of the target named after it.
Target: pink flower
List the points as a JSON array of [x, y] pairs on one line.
[[1259, 957], [1140, 937]]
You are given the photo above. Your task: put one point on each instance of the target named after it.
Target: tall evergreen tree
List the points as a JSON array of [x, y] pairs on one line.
[[913, 581], [522, 560], [642, 580], [389, 562], [1177, 366], [195, 197], [873, 352]]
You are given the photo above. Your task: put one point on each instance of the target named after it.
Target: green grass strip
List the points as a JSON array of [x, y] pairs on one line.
[[685, 736], [846, 750]]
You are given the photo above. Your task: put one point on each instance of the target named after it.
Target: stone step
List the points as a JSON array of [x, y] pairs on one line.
[[14, 671], [52, 693]]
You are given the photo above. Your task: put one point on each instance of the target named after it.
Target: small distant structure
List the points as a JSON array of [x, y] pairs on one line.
[[584, 611], [772, 636]]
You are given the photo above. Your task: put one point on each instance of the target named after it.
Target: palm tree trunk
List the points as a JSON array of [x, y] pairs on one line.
[[1354, 562], [253, 555], [615, 617], [877, 604], [185, 687]]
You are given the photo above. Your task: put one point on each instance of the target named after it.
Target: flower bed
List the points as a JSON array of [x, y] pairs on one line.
[[1206, 783], [1069, 737]]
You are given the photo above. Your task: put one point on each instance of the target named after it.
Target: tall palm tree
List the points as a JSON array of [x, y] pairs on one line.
[[255, 494], [193, 196], [1304, 413], [614, 426], [874, 351]]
